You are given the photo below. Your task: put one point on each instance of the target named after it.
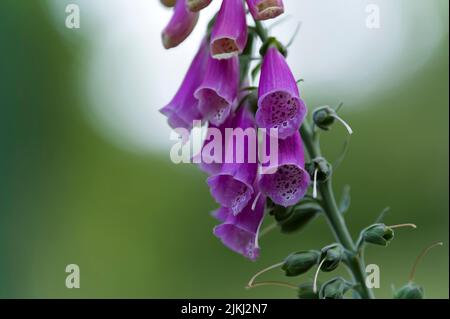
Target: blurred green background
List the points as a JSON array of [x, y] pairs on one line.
[[138, 226]]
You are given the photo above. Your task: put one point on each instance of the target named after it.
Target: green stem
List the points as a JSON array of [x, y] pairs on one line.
[[261, 31], [335, 218]]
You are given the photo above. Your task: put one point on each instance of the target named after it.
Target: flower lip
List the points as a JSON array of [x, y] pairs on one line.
[[240, 232], [287, 185], [238, 240], [265, 9], [280, 110], [213, 106], [230, 191], [224, 48], [270, 13], [286, 181], [221, 214], [218, 91], [182, 110], [172, 117]]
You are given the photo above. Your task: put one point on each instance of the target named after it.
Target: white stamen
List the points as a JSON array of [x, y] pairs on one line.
[[315, 183], [347, 126], [256, 201], [267, 230], [403, 225], [316, 275], [252, 280]]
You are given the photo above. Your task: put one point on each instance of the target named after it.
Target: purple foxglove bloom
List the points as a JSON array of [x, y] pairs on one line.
[[180, 25], [183, 109], [232, 187], [265, 9], [240, 233], [290, 181], [279, 103], [229, 34], [197, 5], [219, 89]]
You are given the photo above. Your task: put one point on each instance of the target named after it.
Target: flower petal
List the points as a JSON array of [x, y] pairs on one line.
[[290, 181], [229, 34], [232, 186], [279, 103], [265, 9], [240, 233], [180, 25], [219, 88], [183, 109]]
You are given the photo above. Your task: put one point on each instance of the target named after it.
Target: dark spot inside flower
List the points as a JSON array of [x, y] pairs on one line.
[[224, 46], [288, 181], [280, 109], [231, 192]]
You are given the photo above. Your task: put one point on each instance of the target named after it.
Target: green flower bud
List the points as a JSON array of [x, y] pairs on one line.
[[324, 117], [296, 218], [306, 291], [409, 291], [299, 263], [331, 256], [324, 169], [335, 288], [273, 42], [378, 234]]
